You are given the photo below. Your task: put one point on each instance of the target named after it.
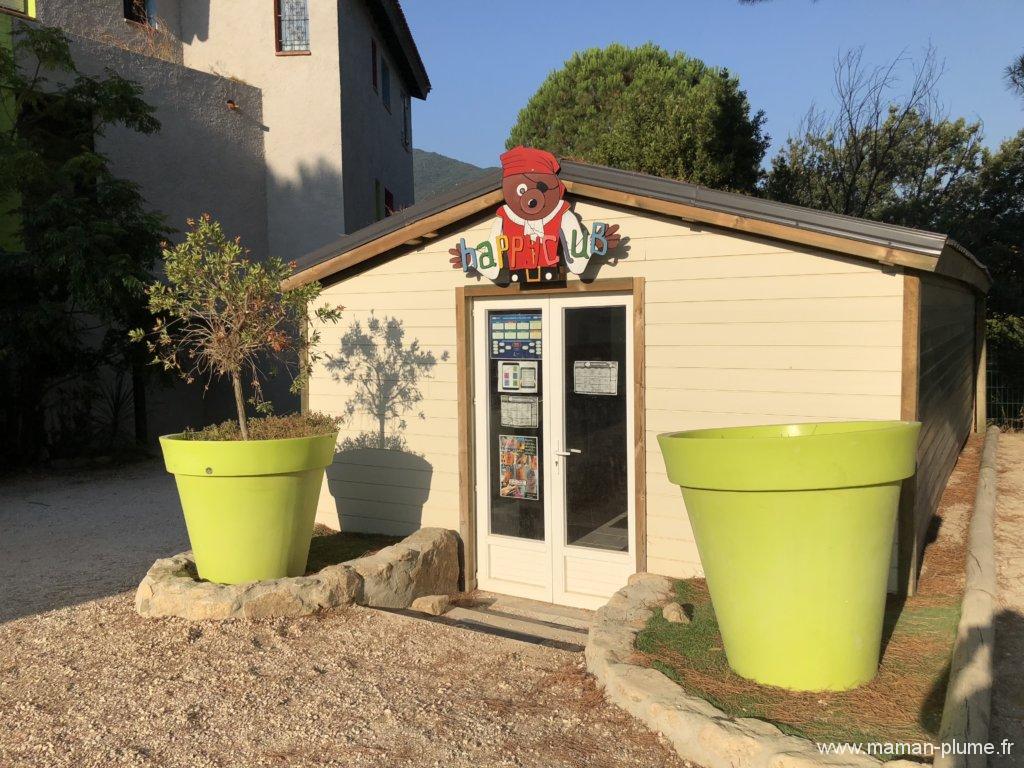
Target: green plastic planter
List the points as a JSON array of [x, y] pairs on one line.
[[794, 524], [249, 505]]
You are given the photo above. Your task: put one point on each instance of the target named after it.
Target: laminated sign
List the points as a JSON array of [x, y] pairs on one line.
[[595, 377], [520, 411]]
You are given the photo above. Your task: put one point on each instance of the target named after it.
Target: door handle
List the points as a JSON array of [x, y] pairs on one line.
[[570, 452]]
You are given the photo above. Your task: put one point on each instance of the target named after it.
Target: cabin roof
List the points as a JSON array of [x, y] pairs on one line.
[[876, 241]]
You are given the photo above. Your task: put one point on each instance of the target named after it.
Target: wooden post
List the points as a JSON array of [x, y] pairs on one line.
[[980, 367], [464, 391], [640, 423], [906, 530]]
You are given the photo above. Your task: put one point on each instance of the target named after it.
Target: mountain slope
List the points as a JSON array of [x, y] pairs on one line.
[[434, 173]]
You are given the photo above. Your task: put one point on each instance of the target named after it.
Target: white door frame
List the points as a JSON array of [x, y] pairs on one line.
[[507, 564], [584, 576], [548, 570]]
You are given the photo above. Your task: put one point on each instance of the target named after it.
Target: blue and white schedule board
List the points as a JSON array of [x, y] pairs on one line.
[[515, 335]]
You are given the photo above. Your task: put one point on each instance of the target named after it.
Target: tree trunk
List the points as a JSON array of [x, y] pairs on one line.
[[243, 425], [381, 428], [139, 404]]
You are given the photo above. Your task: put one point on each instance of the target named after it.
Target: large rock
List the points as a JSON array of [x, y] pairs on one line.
[[435, 605], [426, 563], [172, 588]]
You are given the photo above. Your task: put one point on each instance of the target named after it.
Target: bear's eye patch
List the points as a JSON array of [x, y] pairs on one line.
[[542, 187], [521, 190]]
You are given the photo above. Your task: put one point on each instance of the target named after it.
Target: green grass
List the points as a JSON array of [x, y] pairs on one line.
[[331, 547], [903, 703]]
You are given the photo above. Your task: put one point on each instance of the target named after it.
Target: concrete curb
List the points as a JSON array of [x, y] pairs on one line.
[[967, 711], [425, 563]]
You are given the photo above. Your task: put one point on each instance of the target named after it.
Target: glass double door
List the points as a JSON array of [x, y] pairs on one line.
[[553, 430]]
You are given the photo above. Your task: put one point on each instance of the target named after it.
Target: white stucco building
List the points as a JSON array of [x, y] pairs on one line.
[[290, 121]]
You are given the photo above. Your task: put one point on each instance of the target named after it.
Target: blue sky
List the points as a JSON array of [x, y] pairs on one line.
[[486, 58]]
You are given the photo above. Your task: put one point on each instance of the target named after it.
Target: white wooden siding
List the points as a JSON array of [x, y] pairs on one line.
[[739, 330]]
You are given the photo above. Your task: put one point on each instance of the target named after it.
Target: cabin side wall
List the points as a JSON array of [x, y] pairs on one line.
[[738, 330], [946, 389]]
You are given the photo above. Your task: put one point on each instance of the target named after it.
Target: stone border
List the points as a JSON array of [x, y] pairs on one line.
[[703, 734], [425, 563], [968, 707], [698, 731]]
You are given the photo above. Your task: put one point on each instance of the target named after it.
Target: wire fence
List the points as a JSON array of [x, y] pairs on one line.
[[1005, 392]]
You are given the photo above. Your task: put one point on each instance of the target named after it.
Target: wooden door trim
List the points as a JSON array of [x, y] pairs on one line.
[[464, 386]]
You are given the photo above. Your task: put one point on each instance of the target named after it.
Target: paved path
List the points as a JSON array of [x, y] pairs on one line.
[[68, 538], [1008, 700]]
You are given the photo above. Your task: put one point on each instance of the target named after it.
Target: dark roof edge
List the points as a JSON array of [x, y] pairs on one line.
[[879, 233], [930, 244], [391, 18], [960, 248], [460, 193]]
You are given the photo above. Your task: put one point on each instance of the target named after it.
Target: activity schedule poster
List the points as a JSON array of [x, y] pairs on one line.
[[519, 467]]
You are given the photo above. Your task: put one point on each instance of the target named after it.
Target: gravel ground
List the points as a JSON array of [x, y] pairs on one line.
[[70, 537], [84, 681], [1008, 696], [96, 685]]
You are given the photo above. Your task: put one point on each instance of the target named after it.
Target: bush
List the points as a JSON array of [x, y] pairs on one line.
[[219, 314]]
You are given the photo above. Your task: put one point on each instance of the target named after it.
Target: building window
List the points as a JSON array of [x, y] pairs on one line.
[[406, 121], [18, 6], [389, 202], [291, 21], [140, 11], [385, 83], [378, 200], [373, 62]]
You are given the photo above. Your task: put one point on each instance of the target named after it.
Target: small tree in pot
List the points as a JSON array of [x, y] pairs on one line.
[[248, 489]]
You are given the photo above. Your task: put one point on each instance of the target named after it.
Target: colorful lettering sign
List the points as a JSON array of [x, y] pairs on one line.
[[535, 236]]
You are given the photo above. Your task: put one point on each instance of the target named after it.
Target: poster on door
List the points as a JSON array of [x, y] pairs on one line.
[[518, 467]]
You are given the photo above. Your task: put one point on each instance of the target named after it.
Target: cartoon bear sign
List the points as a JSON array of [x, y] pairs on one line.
[[534, 235]]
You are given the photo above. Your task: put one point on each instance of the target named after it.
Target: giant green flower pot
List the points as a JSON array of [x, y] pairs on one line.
[[794, 525], [249, 504]]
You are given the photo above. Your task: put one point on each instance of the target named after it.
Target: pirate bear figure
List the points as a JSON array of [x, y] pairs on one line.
[[531, 225]]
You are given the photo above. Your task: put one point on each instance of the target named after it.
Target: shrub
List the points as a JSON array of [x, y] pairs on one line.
[[220, 315]]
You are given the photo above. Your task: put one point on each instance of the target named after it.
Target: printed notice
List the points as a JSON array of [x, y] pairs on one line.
[[520, 411], [595, 377], [528, 377], [517, 375], [518, 467]]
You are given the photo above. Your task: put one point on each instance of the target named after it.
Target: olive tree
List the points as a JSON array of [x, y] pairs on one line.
[[220, 314]]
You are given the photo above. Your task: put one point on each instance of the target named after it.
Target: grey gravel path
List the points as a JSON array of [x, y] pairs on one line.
[[70, 537]]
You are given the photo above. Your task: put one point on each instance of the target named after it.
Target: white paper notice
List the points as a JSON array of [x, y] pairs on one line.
[[520, 411], [595, 377]]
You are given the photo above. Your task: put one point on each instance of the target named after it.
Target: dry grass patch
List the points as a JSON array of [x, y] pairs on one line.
[[330, 547]]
